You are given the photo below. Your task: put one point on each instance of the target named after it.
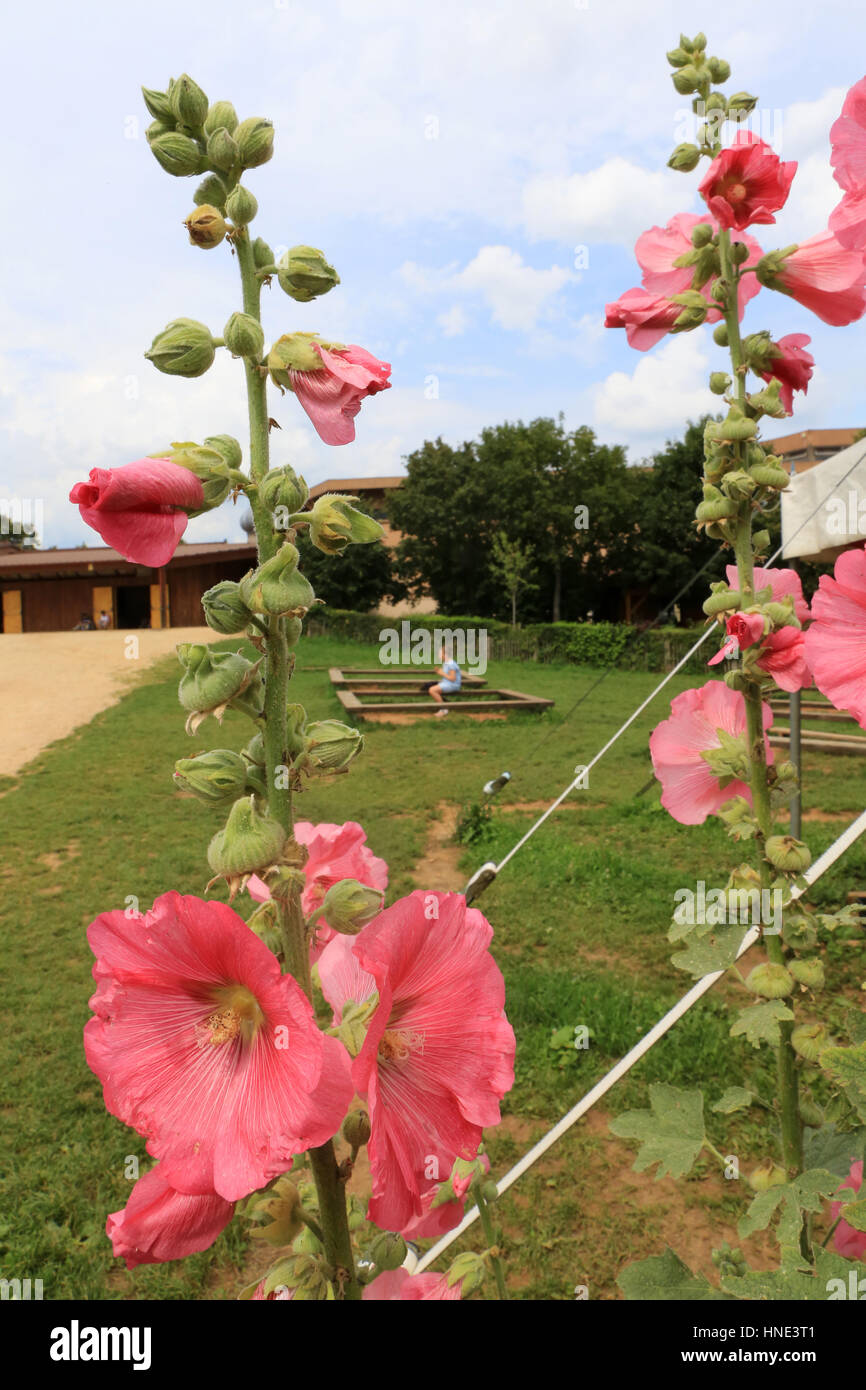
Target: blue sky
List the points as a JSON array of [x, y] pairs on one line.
[[451, 160]]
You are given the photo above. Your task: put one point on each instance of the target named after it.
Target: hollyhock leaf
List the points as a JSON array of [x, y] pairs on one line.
[[715, 951], [666, 1278], [847, 1065], [795, 1284], [733, 1099], [854, 1213], [828, 1148], [759, 1023], [671, 1132]]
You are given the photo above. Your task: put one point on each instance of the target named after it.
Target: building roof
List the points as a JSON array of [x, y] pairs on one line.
[[101, 559], [813, 439], [355, 485]]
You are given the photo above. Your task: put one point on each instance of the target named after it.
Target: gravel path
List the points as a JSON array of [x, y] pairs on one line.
[[52, 682]]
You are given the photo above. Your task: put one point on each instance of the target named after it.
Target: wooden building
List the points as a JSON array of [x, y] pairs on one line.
[[50, 590]]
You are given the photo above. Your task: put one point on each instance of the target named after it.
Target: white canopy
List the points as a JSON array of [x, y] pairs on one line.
[[824, 508]]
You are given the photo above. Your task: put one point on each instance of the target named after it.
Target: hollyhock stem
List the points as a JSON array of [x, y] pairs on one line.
[[490, 1238], [329, 1186], [791, 1130]]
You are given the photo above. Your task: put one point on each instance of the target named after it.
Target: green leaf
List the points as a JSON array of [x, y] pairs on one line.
[[855, 1214], [716, 951], [666, 1277], [801, 1284], [759, 1023], [847, 1065], [827, 1148], [671, 1132], [734, 1098], [806, 1193], [760, 1212]]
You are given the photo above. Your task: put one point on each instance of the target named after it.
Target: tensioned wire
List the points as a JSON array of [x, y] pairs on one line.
[[812, 874], [585, 770]]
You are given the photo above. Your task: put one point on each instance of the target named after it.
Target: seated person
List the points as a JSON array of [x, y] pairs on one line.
[[449, 683]]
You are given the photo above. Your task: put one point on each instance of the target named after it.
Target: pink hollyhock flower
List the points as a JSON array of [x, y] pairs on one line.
[[332, 397], [784, 658], [847, 221], [848, 140], [836, 638], [140, 508], [690, 792], [645, 317], [341, 976], [744, 630], [826, 278], [159, 1223], [746, 183], [847, 1239], [202, 1045], [657, 249], [780, 582], [791, 366], [449, 1198], [439, 1052], [399, 1286]]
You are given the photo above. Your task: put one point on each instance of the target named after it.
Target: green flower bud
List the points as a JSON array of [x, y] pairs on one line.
[[720, 334], [206, 226], [159, 106], [715, 102], [388, 1250], [770, 980], [678, 57], [211, 190], [469, 1271], [686, 79], [809, 1041], [222, 115], [224, 610], [249, 842], [720, 382], [685, 158], [217, 776], [241, 206], [741, 104], [760, 542], [699, 43], [722, 600], [738, 484], [188, 102], [282, 487], [687, 44], [222, 150], [786, 853], [276, 587], [155, 129], [809, 972], [715, 506], [183, 348], [214, 680], [695, 309], [702, 234], [244, 336], [334, 524], [262, 253], [294, 352], [770, 475], [767, 1174], [177, 154], [332, 745], [356, 1131], [718, 69], [208, 465], [349, 905], [282, 1207], [304, 274], [732, 429], [255, 138], [810, 1113]]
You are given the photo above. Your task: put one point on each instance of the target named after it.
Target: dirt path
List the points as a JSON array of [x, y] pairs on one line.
[[52, 682]]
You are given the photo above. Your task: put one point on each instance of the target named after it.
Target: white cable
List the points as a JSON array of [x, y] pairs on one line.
[[814, 872]]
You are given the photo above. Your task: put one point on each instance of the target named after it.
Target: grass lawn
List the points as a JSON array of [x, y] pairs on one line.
[[580, 917]]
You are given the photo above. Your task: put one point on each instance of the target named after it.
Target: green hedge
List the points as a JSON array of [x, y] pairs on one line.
[[581, 644]]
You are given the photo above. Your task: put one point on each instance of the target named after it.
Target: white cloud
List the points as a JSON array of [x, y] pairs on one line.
[[667, 387], [453, 322], [613, 203], [516, 294]]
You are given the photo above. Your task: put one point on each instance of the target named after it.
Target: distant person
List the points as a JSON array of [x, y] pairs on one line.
[[449, 684], [104, 618], [85, 624]]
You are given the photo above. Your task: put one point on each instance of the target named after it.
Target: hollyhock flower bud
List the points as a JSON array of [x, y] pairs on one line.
[[177, 154], [211, 190], [217, 776], [722, 599], [334, 524], [141, 508], [678, 57], [770, 473], [847, 1240], [159, 1223], [282, 1205], [188, 102], [277, 587], [224, 609], [184, 348], [356, 1131], [715, 506], [685, 158], [686, 79], [214, 680], [467, 1272], [744, 630], [821, 275], [809, 1040], [248, 842], [349, 905], [741, 104], [222, 150], [645, 317], [262, 253], [719, 70], [157, 128], [808, 972], [282, 487], [241, 206], [244, 336], [206, 226], [720, 382], [746, 183], [221, 115], [304, 274], [331, 745], [767, 1174], [787, 853], [388, 1250], [694, 311], [770, 980], [158, 105], [810, 1113], [329, 380], [209, 463], [255, 139]]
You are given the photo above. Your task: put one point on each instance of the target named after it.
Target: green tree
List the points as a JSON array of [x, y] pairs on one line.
[[359, 579], [513, 566]]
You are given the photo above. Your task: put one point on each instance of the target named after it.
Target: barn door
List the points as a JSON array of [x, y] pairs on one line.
[[12, 620], [103, 597], [156, 609]]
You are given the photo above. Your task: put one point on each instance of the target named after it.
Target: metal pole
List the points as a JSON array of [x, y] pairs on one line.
[[795, 746]]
